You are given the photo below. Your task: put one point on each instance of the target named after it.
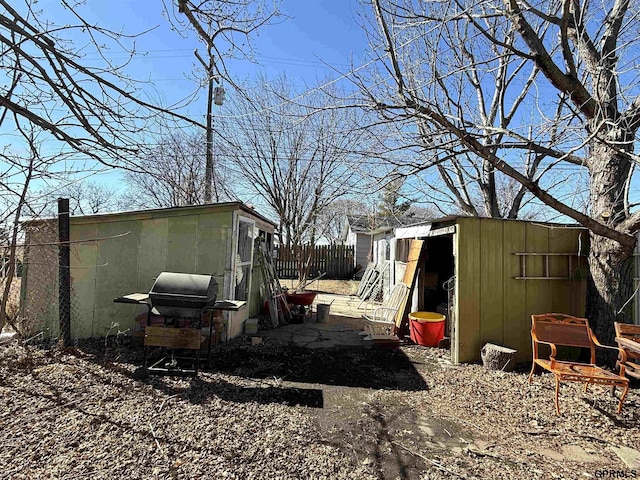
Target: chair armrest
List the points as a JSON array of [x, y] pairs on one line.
[[598, 344], [370, 306], [607, 347], [622, 359], [534, 336], [554, 352], [383, 309], [628, 344]]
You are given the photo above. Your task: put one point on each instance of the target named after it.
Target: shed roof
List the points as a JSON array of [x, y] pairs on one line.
[[439, 224], [186, 209]]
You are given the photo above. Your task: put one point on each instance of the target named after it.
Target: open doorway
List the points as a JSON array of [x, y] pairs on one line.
[[437, 269], [436, 280], [434, 287]]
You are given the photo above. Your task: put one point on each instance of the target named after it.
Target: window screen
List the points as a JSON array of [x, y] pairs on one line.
[[243, 259]]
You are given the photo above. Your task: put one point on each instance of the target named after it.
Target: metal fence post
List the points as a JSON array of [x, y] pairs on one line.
[[64, 271]]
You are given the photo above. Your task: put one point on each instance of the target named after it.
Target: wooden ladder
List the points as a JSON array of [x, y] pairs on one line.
[[279, 311]]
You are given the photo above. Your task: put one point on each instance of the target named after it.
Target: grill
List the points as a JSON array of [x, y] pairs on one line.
[[182, 295], [180, 299]]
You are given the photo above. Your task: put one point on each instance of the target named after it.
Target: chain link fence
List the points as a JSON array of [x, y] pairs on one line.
[[39, 306]]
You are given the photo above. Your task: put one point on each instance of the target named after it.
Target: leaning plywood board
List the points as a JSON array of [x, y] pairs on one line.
[[409, 279]]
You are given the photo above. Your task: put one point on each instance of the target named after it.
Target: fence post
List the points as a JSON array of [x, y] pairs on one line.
[[64, 271]]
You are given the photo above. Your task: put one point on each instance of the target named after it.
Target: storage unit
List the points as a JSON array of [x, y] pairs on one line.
[[489, 276], [113, 254]]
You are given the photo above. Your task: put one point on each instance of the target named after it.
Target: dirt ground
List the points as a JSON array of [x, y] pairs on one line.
[[275, 410]]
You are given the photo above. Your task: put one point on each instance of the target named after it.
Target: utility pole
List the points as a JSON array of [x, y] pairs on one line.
[[214, 95], [208, 170]]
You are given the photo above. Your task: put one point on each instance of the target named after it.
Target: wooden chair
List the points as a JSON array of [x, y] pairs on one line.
[[380, 318], [554, 329], [628, 339]]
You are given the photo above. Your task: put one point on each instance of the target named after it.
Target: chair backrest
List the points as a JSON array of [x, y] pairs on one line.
[[397, 296], [632, 332], [561, 329], [627, 330]]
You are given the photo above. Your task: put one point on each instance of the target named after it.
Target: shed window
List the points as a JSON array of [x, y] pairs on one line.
[[243, 259], [402, 249]]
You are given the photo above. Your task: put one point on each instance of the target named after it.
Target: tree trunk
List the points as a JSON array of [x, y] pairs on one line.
[[609, 287], [610, 284]]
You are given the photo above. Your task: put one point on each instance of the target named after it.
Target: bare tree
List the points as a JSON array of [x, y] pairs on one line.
[[567, 100], [226, 29], [295, 157], [86, 197], [92, 107], [75, 92], [89, 197], [172, 174], [19, 173], [331, 220]]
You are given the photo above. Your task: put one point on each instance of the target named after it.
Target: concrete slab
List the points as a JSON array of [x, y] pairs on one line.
[[342, 328]]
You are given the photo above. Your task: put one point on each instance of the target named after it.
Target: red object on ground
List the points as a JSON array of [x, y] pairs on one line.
[[301, 298], [265, 306], [426, 328]]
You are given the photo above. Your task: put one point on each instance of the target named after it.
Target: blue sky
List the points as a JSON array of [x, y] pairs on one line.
[[317, 33]]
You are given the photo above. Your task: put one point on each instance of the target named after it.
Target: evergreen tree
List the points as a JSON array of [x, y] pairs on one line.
[[392, 202]]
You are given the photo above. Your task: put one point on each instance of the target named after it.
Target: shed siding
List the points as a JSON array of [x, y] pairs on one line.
[[153, 245], [117, 277], [83, 257], [133, 249], [213, 235], [491, 281], [182, 244], [537, 296], [468, 295], [152, 251], [494, 306], [516, 326]]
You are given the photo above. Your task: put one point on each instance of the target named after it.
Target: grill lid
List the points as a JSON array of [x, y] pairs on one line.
[[183, 291]]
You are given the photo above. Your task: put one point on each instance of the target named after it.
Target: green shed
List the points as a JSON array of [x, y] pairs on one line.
[[490, 275], [121, 253]]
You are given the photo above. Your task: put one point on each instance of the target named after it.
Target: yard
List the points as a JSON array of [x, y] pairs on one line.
[[277, 410]]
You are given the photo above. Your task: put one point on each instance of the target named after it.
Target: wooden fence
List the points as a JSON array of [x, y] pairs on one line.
[[335, 261]]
